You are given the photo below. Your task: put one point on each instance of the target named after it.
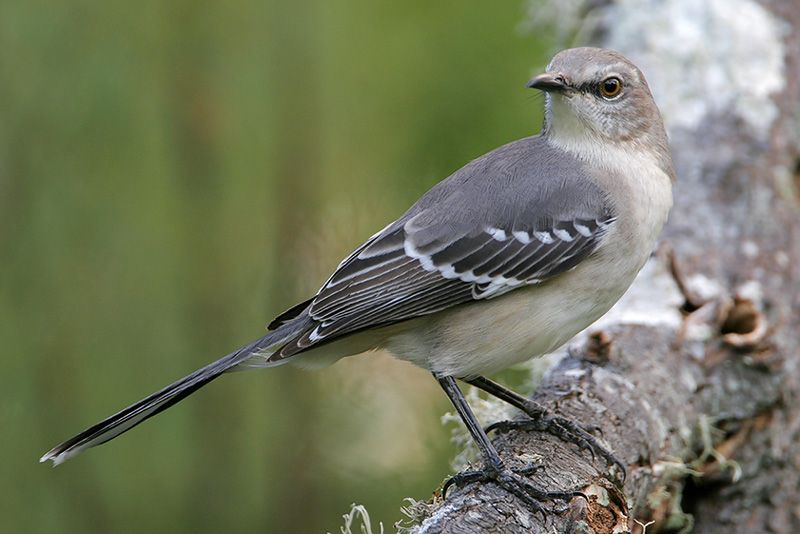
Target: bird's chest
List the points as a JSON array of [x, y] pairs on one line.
[[643, 208]]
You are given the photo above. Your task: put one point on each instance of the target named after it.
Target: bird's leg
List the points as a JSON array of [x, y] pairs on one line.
[[541, 420], [494, 469]]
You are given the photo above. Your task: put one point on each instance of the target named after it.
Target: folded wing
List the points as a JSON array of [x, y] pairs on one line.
[[400, 275]]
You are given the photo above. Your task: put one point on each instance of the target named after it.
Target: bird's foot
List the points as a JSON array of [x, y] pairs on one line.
[[514, 482], [564, 429]]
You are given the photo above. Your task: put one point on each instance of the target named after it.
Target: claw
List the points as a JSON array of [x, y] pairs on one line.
[[567, 431], [513, 482], [463, 478]]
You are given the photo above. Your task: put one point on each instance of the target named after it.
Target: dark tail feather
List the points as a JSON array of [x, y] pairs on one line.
[[131, 416]]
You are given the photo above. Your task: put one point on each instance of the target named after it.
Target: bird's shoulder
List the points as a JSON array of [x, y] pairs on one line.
[[525, 185]]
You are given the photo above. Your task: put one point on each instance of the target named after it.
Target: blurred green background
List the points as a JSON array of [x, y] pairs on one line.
[[173, 175]]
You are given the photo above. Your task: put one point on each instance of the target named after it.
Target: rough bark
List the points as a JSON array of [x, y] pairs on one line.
[[694, 380]]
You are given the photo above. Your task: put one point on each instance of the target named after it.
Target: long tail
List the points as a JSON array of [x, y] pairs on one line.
[[131, 416]]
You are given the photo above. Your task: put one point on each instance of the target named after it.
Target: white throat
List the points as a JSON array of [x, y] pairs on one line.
[[568, 132]]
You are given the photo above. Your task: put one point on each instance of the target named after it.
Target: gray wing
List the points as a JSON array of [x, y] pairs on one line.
[[447, 251]]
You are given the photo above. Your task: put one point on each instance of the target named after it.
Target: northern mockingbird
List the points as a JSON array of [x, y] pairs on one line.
[[505, 260]]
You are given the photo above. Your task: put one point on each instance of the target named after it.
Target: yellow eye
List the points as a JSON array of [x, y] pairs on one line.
[[611, 87]]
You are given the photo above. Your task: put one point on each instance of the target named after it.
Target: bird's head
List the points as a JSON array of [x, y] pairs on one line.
[[597, 95]]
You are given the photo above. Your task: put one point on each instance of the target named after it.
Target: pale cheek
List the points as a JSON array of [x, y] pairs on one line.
[[593, 115], [607, 121], [619, 128], [574, 117]]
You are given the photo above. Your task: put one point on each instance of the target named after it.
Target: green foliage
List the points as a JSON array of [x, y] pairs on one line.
[[173, 174]]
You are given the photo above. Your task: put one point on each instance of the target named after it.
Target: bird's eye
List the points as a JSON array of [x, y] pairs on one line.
[[610, 87]]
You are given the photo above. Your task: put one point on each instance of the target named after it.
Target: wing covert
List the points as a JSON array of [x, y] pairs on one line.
[[395, 276]]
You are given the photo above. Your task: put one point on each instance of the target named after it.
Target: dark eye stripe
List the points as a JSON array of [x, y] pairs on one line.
[[594, 87]]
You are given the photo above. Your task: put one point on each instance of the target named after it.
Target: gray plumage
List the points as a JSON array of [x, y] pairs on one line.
[[503, 261], [516, 216]]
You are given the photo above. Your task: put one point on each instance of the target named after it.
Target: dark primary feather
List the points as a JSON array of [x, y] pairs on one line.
[[289, 314], [517, 216]]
